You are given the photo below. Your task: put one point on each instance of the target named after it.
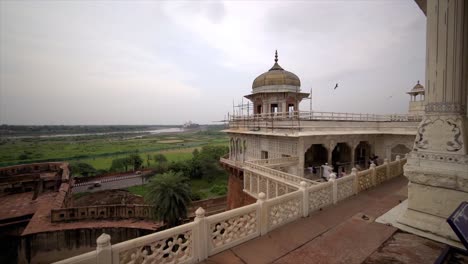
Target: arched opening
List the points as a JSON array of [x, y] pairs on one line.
[[291, 106], [314, 158], [362, 154], [258, 108], [341, 158], [401, 150]]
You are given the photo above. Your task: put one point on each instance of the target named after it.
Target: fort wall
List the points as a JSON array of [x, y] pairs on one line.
[[236, 196]]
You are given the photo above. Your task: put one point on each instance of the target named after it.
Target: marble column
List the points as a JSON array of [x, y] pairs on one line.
[[437, 167], [330, 147], [353, 145]]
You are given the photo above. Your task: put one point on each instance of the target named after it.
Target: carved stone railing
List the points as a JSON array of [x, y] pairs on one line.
[[102, 212], [320, 196], [269, 172], [224, 231], [377, 174], [283, 161], [206, 236], [175, 245], [328, 116], [394, 169], [282, 210], [255, 183], [346, 186], [233, 163], [365, 180]]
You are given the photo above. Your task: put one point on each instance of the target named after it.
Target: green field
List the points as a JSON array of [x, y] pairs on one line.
[[99, 151]]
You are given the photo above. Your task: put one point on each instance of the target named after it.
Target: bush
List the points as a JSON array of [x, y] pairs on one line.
[[196, 196], [219, 189], [82, 169]]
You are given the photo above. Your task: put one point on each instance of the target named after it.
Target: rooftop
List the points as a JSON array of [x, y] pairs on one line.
[[344, 233], [17, 205]]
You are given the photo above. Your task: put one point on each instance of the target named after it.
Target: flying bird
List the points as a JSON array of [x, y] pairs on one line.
[[336, 86]]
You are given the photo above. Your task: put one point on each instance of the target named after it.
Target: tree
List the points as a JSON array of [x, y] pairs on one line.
[[160, 158], [120, 164], [195, 153], [83, 169], [148, 158], [169, 193], [136, 161], [205, 164]]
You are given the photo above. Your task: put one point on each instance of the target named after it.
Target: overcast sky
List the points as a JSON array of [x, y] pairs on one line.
[[155, 62]]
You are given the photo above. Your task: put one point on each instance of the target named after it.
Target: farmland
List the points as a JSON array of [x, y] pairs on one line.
[[100, 150]]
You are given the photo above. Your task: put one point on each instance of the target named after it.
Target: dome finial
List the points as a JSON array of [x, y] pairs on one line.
[[418, 81], [276, 55]]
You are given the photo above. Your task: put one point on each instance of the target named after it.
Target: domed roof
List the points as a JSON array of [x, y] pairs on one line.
[[418, 88], [276, 76]]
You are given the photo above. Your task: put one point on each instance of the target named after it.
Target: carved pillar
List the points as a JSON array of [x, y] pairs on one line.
[[354, 145], [437, 167], [331, 146], [301, 150]]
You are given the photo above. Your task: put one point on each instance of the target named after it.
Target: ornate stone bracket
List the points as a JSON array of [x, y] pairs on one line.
[[436, 133]]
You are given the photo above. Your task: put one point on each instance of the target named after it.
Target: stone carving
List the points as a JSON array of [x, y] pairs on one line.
[[442, 107], [364, 180], [439, 135], [247, 180], [284, 212], [319, 198], [232, 229], [380, 174], [345, 188], [440, 157], [394, 169], [263, 185], [455, 144], [254, 183], [281, 189], [271, 189], [175, 249]]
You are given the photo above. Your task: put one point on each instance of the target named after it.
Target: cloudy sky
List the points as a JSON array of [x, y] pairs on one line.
[[156, 62]]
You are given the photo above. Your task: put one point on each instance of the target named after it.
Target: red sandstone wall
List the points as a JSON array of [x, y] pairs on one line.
[[236, 196], [35, 168]]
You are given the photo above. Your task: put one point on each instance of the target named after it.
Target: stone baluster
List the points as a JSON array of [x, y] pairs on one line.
[[258, 184], [201, 242], [387, 170], [276, 189], [104, 249], [305, 199], [372, 173], [268, 188], [332, 179], [400, 169], [263, 213], [354, 172], [251, 182], [245, 180]]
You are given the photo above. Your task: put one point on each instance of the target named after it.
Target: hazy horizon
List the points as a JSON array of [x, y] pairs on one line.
[[139, 63]]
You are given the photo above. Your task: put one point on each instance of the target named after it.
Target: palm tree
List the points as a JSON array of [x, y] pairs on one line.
[[169, 193]]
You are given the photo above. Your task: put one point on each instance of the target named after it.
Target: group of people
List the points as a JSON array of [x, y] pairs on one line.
[[326, 169]]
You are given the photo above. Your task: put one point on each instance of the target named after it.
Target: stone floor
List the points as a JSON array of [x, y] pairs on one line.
[[344, 233]]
